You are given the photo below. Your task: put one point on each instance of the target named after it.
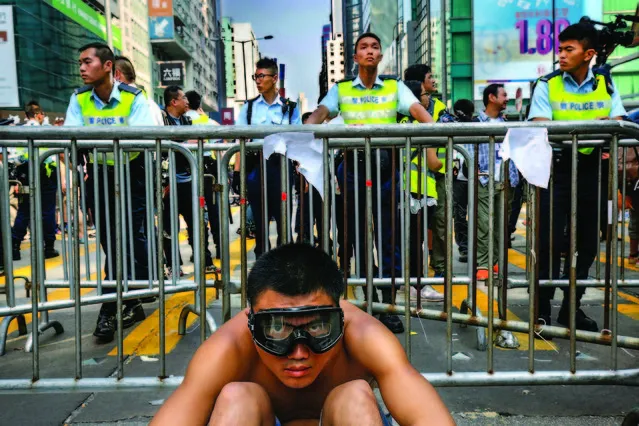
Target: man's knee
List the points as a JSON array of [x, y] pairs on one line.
[[352, 401], [242, 402]]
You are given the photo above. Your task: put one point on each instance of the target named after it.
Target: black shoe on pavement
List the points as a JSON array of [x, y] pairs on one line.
[[463, 257], [583, 321], [50, 252], [132, 314], [105, 328], [543, 321], [392, 322]]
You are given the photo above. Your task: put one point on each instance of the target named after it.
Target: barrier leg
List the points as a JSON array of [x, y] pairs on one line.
[[4, 328]]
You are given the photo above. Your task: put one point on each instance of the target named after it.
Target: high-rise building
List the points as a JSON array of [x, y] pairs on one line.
[[47, 36], [247, 53], [323, 77], [302, 102], [335, 60], [352, 17], [185, 39], [135, 39], [229, 61]]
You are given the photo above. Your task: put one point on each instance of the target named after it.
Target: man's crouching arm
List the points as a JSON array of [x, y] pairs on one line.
[[407, 394], [215, 364]]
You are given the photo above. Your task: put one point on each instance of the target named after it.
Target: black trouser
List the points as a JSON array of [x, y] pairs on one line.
[[136, 213], [417, 243], [302, 213], [184, 200], [273, 194], [212, 202], [460, 213], [48, 188], [518, 201], [587, 241]]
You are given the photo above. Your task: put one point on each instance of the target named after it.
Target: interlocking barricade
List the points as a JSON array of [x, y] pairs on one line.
[[364, 166]]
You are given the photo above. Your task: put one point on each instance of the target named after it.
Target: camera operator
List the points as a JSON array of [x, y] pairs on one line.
[[574, 92]]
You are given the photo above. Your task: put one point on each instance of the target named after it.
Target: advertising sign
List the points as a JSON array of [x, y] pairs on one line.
[[161, 27], [172, 73], [160, 8], [93, 21], [227, 116], [9, 76], [514, 40]]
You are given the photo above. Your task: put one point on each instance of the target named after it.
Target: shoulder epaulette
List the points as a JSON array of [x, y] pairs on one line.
[[130, 89], [551, 75], [83, 89], [344, 80], [254, 99], [388, 77]]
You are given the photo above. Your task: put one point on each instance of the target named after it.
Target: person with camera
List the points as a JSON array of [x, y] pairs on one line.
[[574, 92], [268, 109]]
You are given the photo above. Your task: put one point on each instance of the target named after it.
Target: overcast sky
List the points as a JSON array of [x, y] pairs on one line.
[[297, 30]]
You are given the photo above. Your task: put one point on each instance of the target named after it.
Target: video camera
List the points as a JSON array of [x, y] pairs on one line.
[[612, 34]]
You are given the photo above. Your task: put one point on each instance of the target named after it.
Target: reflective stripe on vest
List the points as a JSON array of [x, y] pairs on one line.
[[431, 185], [568, 106], [368, 106], [441, 152], [116, 116], [200, 120]]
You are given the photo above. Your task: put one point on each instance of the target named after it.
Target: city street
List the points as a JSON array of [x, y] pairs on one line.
[[565, 405]]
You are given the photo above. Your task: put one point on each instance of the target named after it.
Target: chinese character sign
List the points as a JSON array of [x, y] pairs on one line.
[[172, 73], [160, 8], [514, 40]]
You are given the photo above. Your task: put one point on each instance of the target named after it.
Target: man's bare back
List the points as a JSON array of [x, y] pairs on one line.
[[236, 377]]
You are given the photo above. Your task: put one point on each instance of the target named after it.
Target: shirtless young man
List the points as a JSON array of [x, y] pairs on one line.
[[300, 356]]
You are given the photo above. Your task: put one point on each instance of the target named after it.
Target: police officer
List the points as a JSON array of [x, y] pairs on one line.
[[268, 109], [369, 99], [423, 73], [103, 102], [48, 188], [574, 92]]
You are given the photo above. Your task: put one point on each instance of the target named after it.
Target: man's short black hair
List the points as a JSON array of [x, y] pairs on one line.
[[491, 89], [415, 87], [294, 270], [195, 100], [417, 72], [584, 33], [305, 116], [369, 34], [268, 64], [32, 109], [102, 51], [170, 93], [464, 109], [126, 67]]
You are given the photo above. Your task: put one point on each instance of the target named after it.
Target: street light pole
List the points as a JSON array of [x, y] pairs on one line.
[[243, 42], [107, 15]]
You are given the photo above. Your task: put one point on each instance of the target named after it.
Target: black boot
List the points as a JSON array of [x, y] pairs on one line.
[[132, 314], [16, 250], [583, 322], [105, 327], [49, 250]]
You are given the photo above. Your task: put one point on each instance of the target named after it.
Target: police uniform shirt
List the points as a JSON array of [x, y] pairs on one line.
[[264, 114], [540, 103], [405, 98], [140, 112]]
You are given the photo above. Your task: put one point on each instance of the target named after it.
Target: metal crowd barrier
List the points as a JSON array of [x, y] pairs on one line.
[[367, 142]]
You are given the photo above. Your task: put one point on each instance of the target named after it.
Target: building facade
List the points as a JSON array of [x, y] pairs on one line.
[[134, 20], [186, 33], [247, 53], [47, 36], [229, 61]]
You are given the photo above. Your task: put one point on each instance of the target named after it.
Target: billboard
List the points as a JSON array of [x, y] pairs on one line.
[[228, 118], [9, 76], [514, 40], [84, 15], [160, 8], [172, 73], [161, 27]]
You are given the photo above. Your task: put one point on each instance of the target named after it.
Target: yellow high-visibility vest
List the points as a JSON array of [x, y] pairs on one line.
[[117, 116], [431, 185]]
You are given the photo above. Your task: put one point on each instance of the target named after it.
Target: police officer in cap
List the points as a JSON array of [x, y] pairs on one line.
[[574, 92], [103, 102]]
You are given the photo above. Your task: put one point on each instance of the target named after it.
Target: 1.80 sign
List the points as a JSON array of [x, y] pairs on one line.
[[546, 36]]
